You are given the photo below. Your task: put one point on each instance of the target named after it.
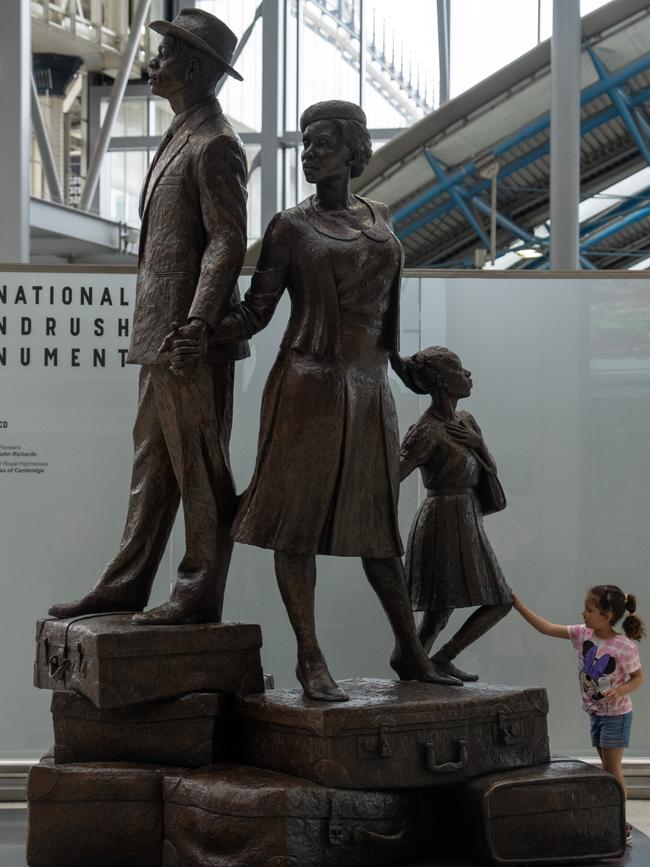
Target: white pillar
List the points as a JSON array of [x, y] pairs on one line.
[[15, 129], [565, 135], [271, 83]]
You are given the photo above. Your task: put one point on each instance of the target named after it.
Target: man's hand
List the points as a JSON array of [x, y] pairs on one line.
[[188, 346]]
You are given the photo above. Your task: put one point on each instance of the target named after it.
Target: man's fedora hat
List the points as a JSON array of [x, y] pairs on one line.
[[205, 32]]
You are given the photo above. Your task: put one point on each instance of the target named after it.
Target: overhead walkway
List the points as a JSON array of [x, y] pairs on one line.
[[436, 176]]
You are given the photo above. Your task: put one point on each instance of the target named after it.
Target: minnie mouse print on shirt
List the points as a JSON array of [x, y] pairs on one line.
[[602, 665]]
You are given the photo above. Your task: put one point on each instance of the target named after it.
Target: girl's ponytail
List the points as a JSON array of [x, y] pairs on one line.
[[633, 626]]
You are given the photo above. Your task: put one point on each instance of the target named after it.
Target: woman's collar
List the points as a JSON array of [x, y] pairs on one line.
[[333, 228]]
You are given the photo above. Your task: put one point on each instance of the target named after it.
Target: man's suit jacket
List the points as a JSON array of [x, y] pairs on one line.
[[193, 235]]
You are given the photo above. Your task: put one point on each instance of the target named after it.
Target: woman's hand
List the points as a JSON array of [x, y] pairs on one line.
[[464, 435]]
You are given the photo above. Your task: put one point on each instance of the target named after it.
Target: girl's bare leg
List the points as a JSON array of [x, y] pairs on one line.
[[612, 759], [296, 576], [476, 625]]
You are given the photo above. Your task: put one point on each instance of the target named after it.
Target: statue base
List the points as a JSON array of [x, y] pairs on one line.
[[190, 731], [395, 735], [95, 814]]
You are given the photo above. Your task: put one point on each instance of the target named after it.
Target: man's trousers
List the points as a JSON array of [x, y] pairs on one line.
[[181, 453]]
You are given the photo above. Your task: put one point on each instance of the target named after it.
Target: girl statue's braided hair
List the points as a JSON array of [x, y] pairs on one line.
[[418, 371]]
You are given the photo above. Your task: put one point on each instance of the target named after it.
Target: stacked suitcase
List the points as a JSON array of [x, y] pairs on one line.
[[168, 752]]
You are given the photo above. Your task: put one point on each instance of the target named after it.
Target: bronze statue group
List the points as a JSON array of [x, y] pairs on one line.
[[329, 461]]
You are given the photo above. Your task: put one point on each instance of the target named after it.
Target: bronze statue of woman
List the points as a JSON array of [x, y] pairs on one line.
[[449, 560], [326, 479]]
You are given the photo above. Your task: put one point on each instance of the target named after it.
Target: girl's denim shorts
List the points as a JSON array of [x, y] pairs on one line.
[[611, 732]]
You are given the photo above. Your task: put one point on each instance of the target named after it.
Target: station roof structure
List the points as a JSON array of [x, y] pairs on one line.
[[436, 175]]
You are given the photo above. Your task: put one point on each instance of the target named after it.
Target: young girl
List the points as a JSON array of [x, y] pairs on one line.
[[609, 667]]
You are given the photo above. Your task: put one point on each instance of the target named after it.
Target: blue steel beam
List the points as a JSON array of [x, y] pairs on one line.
[[441, 173], [622, 106], [590, 93], [616, 226], [527, 237], [586, 126], [631, 204]]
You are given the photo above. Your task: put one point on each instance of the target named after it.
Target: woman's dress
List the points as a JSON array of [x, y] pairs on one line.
[[449, 560], [326, 479]]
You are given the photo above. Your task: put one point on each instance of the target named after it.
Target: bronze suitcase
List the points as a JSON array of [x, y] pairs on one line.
[[95, 815], [115, 663], [190, 731], [232, 815], [395, 735], [563, 811]]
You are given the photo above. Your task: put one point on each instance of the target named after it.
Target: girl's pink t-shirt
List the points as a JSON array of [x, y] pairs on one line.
[[602, 665]]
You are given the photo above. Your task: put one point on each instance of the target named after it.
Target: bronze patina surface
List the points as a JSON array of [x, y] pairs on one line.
[[114, 663], [449, 560], [95, 815], [233, 815], [192, 245], [396, 735], [189, 731]]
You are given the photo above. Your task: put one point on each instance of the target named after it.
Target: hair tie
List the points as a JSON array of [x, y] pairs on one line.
[[626, 598]]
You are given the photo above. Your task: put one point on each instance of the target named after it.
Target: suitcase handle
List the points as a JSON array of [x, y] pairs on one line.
[[364, 835], [444, 767]]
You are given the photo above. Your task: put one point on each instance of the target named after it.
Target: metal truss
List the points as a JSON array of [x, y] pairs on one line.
[[462, 188], [346, 37]]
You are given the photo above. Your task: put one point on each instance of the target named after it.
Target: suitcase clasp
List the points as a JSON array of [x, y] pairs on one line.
[[377, 746], [58, 666], [82, 660], [509, 730], [335, 832], [445, 767]]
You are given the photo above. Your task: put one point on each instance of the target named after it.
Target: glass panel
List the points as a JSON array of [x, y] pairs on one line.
[[402, 61], [123, 180], [254, 204], [508, 28], [162, 116], [131, 118], [241, 101]]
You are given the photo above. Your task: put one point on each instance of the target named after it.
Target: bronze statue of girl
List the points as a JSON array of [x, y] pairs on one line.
[[449, 560]]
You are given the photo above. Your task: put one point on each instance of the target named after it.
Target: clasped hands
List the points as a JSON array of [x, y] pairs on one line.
[[188, 347]]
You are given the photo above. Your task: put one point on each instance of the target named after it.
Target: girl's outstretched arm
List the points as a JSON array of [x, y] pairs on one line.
[[555, 630]]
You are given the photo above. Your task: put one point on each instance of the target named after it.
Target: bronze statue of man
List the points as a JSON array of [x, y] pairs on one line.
[[192, 246]]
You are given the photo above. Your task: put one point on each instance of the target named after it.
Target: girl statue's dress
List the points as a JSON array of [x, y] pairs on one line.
[[449, 562]]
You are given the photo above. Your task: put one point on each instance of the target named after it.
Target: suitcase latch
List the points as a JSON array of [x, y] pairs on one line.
[[376, 746], [509, 730], [82, 660], [58, 666], [336, 832]]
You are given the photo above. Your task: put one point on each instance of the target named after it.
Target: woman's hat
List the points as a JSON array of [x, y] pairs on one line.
[[205, 32], [332, 109]]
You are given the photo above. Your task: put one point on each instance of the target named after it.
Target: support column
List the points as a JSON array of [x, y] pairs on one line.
[[271, 95], [117, 94], [444, 40], [15, 130], [565, 135]]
